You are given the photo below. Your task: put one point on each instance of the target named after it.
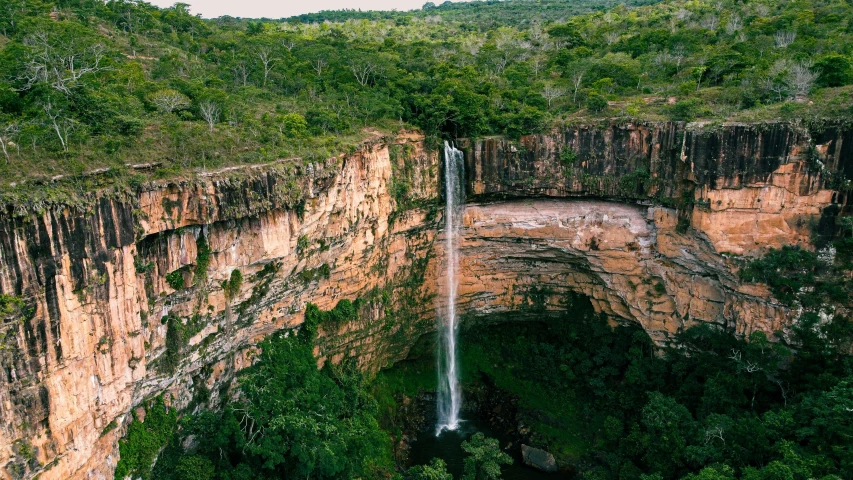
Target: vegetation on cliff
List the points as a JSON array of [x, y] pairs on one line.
[[90, 84], [289, 420]]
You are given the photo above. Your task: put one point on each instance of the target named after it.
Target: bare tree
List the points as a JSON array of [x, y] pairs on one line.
[[577, 80], [537, 63], [61, 125], [265, 55], [762, 10], [318, 65], [499, 62], [710, 22], [241, 74], [611, 37], [784, 39], [677, 55], [775, 80], [169, 100], [683, 14], [801, 78], [59, 63], [8, 133], [363, 70], [734, 24], [288, 44], [552, 92], [210, 113]]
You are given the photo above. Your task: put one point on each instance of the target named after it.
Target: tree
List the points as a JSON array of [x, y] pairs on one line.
[[435, 470], [801, 78], [363, 69], [577, 81], [194, 467], [596, 103], [265, 55], [9, 131], [784, 39], [210, 113], [168, 100], [60, 57], [552, 92], [59, 123], [835, 70], [484, 458]]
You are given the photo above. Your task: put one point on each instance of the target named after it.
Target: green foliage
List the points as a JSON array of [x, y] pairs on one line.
[[175, 279], [311, 274], [799, 276], [716, 407], [10, 305], [435, 470], [345, 311], [175, 342], [635, 183], [484, 458], [835, 70], [568, 157], [141, 266], [233, 284], [194, 467], [306, 88], [202, 259], [302, 244], [596, 103], [143, 441], [292, 420], [685, 110]]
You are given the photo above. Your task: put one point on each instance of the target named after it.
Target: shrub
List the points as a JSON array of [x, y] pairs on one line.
[[175, 279], [232, 285], [596, 103]]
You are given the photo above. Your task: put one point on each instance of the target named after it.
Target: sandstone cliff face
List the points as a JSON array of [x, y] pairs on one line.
[[522, 257], [748, 187], [88, 342]]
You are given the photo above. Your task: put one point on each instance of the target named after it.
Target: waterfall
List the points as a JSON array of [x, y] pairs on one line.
[[449, 393]]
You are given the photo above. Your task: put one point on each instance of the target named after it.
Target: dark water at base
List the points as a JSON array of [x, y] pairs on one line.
[[448, 447]]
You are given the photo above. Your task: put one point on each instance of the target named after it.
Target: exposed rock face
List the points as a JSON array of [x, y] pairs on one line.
[[524, 256], [91, 343], [753, 186], [87, 343]]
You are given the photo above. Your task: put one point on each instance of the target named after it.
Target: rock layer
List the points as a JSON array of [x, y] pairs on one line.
[[89, 297]]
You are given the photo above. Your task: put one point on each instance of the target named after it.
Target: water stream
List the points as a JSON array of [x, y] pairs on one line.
[[449, 391]]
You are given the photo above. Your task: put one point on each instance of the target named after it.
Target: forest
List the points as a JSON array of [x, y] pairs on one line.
[[134, 92], [714, 408]]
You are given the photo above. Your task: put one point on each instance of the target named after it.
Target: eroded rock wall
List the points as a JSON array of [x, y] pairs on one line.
[[523, 256], [97, 296], [747, 187], [97, 291]]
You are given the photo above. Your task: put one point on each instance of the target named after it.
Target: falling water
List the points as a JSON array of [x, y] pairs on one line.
[[449, 394]]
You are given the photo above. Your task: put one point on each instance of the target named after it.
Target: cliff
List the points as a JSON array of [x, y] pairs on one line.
[[136, 296]]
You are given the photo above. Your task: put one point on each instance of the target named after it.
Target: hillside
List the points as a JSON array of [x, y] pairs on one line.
[[90, 85]]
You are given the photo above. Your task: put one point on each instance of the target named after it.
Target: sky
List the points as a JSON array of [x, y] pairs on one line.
[[286, 8]]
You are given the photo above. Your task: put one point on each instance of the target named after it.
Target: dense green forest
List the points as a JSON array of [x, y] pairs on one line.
[[600, 398], [88, 84]]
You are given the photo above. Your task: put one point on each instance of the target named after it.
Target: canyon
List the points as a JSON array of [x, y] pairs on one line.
[[649, 220]]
